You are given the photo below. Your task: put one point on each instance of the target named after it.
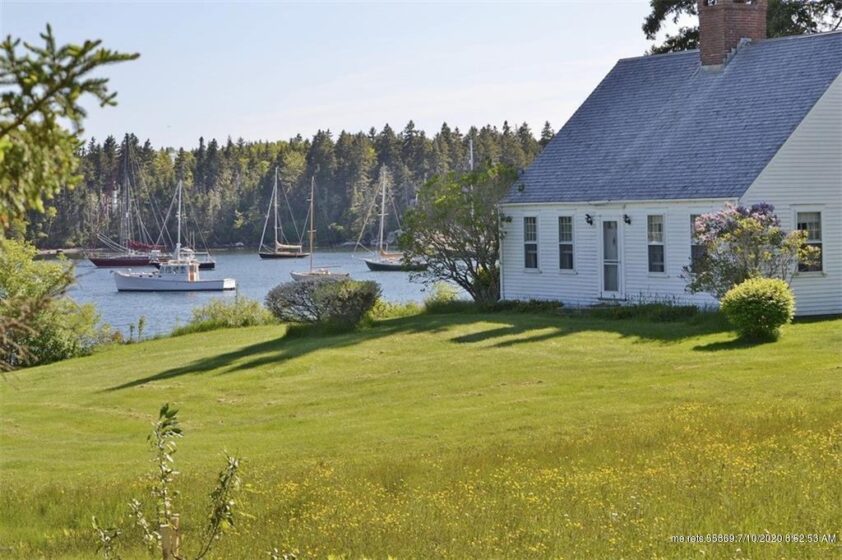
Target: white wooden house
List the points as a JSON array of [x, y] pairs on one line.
[[606, 211]]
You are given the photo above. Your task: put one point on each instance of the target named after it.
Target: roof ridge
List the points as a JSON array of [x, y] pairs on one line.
[[767, 40]]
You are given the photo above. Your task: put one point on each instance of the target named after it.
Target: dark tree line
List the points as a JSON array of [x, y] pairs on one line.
[[228, 184]]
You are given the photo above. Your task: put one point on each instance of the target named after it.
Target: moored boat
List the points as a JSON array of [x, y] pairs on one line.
[[387, 264], [385, 261], [179, 274], [121, 260], [316, 273], [283, 251], [280, 249], [205, 260], [319, 274], [133, 247]]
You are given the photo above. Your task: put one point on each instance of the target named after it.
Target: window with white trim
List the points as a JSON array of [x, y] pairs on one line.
[[655, 233], [811, 222], [565, 242], [697, 249], [530, 242]]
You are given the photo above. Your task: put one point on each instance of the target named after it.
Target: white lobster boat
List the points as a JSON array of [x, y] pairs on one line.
[[180, 274]]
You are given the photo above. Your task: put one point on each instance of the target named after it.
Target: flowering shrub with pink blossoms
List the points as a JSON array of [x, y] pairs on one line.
[[744, 242]]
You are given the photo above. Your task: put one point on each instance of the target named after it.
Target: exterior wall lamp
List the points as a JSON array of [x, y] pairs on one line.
[[627, 219], [589, 219]]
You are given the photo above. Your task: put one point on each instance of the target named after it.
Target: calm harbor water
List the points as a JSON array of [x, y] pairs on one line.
[[255, 277]]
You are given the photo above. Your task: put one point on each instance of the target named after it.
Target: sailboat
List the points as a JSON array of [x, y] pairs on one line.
[[279, 250], [315, 273], [204, 258], [386, 261], [127, 251], [179, 274]]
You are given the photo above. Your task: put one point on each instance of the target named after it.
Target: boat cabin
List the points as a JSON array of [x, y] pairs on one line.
[[190, 270]]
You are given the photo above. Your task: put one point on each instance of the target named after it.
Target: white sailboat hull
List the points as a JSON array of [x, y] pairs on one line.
[[151, 282], [318, 275]]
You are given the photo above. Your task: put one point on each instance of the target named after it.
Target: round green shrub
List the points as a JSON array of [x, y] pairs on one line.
[[322, 301], [758, 307]]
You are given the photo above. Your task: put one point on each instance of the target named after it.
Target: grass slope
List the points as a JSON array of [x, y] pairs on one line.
[[457, 436]]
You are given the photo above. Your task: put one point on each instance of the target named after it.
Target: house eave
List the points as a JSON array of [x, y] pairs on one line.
[[619, 202]]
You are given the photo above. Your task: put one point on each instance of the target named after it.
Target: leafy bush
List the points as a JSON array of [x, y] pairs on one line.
[[387, 310], [443, 299], [38, 323], [758, 307], [338, 302], [222, 314]]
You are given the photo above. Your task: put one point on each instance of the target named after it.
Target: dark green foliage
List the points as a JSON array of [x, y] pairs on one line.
[[222, 314], [758, 307], [535, 306], [41, 87], [227, 186], [38, 324], [784, 18], [330, 302], [547, 134], [658, 312]]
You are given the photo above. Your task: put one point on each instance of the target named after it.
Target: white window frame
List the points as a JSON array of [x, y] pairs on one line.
[[571, 242], [812, 210], [531, 242], [662, 243], [693, 218]]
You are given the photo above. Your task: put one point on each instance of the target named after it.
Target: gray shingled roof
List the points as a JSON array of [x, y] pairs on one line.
[[661, 127]]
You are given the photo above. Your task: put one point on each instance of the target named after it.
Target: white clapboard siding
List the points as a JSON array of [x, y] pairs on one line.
[[806, 175], [582, 286]]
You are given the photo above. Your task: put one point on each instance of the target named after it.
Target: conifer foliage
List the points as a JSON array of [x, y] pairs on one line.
[[227, 184]]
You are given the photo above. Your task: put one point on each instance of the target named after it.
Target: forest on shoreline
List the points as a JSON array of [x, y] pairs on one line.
[[228, 184]]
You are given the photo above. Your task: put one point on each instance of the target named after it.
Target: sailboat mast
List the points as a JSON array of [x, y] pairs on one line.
[[124, 216], [178, 219], [312, 217], [382, 213], [275, 205]]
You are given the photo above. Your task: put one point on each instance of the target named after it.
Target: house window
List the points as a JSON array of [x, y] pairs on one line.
[[655, 228], [811, 222], [530, 242], [565, 243], [697, 250]]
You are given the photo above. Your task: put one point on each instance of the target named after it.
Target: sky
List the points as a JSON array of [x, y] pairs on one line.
[[268, 70]]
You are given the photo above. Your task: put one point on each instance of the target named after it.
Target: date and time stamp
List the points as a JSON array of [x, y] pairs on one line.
[[760, 538]]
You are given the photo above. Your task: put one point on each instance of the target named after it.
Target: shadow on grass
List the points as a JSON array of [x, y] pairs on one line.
[[509, 329], [734, 344], [299, 341]]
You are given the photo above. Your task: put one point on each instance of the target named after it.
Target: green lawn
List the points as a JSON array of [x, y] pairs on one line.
[[444, 436]]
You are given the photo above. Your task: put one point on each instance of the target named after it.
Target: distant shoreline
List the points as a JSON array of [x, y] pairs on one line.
[[344, 247]]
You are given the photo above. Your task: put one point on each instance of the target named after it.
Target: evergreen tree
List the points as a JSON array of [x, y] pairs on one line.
[[547, 134]]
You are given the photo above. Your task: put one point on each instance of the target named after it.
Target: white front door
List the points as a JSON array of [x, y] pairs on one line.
[[612, 266]]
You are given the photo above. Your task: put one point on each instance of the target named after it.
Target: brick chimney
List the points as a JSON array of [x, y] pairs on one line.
[[723, 23]]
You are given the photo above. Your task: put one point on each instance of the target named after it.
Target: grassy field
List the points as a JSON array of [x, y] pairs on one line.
[[444, 436]]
